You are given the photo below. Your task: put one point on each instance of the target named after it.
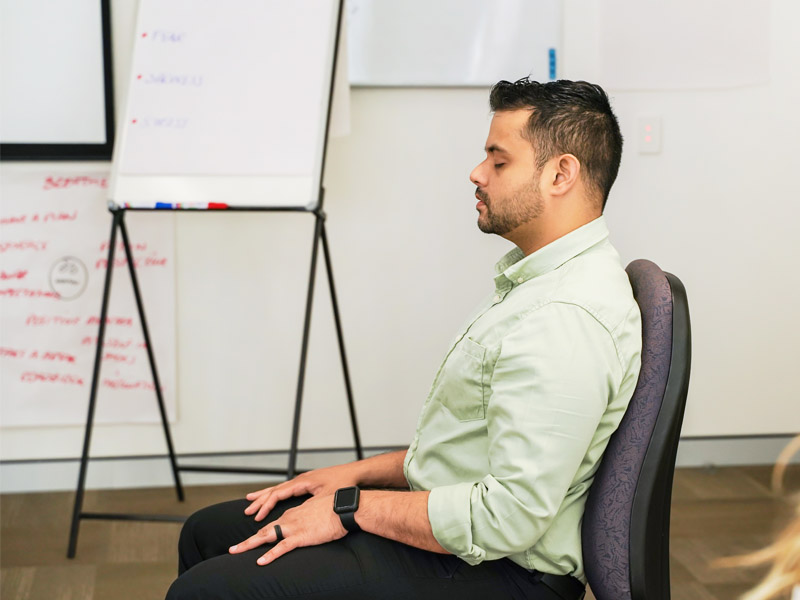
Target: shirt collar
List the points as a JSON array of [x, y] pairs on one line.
[[517, 268]]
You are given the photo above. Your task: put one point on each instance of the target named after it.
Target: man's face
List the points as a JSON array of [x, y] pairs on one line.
[[507, 180]]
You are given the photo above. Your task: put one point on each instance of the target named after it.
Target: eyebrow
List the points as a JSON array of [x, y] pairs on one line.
[[495, 148]]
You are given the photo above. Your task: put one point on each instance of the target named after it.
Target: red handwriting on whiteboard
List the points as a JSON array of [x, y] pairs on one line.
[[51, 356], [35, 245], [110, 342], [47, 217], [148, 261], [48, 355], [122, 384], [27, 293], [60, 183], [33, 377], [12, 353], [123, 321], [142, 246], [118, 358], [59, 216], [20, 274], [51, 320], [172, 79]]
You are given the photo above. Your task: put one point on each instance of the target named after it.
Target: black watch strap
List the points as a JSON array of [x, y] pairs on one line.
[[349, 521]]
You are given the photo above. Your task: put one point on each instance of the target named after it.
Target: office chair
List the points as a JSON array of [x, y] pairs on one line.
[[625, 528]]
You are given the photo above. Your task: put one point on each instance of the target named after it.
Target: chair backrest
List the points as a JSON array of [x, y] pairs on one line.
[[625, 528]]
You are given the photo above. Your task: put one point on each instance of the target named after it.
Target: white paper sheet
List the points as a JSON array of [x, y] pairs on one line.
[[54, 232]]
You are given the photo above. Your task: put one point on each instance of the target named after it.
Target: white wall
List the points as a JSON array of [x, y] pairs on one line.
[[717, 207]]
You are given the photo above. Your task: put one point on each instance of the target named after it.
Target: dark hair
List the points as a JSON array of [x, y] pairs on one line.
[[569, 117]]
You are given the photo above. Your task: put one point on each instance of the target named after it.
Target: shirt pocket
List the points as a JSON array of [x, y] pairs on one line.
[[461, 390]]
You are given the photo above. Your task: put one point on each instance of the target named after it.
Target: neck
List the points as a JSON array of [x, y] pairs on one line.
[[539, 232]]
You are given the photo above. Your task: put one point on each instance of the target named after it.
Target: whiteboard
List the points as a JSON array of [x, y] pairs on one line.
[[227, 103], [452, 42], [53, 79]]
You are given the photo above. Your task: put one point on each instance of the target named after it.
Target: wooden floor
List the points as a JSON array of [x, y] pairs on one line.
[[715, 512]]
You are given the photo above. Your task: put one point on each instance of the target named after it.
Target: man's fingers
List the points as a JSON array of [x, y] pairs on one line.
[[255, 495], [265, 500], [270, 502], [278, 494], [254, 505], [265, 535], [277, 551]]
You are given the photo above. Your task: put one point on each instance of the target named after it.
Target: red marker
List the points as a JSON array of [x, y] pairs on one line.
[[133, 121], [144, 35], [139, 77]]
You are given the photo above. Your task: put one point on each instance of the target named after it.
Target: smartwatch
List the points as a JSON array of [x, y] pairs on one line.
[[345, 504]]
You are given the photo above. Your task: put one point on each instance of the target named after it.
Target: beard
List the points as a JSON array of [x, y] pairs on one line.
[[506, 214]]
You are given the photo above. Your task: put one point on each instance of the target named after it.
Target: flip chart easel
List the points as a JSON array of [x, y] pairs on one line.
[[151, 173]]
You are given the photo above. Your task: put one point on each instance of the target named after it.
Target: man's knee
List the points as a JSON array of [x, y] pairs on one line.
[[194, 541], [185, 588], [177, 591], [188, 530]]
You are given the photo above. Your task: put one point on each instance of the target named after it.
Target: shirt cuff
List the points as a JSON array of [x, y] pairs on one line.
[[449, 512]]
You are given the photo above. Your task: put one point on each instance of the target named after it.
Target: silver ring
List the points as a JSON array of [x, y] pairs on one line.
[[278, 533]]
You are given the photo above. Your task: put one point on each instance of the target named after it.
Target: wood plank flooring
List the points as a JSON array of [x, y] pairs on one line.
[[715, 512]]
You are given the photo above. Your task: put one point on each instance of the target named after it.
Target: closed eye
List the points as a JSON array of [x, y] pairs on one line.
[[499, 165]]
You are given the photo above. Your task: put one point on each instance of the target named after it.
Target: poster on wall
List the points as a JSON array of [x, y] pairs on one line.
[[54, 235]]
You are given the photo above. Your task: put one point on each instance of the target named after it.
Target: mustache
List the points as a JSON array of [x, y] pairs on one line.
[[482, 196]]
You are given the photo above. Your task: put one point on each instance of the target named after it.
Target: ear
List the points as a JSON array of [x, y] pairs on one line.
[[564, 174]]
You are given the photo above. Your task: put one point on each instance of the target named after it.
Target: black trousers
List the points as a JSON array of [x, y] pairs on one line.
[[358, 566]]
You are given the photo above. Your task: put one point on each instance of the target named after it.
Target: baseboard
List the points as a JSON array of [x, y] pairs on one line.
[[732, 450]]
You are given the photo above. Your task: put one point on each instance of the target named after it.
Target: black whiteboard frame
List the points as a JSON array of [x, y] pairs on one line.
[[56, 151]]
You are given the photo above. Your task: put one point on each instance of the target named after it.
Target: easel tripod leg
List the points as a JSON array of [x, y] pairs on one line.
[[76, 512], [304, 351], [340, 337], [151, 358]]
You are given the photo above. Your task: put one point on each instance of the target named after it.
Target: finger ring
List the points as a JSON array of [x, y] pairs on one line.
[[278, 533]]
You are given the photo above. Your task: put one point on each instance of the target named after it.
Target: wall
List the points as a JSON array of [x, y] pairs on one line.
[[717, 207]]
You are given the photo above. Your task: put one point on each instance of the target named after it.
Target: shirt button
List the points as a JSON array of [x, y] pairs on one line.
[[520, 280], [497, 298]]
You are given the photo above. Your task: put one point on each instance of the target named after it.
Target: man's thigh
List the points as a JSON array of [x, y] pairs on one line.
[[211, 531], [358, 566]]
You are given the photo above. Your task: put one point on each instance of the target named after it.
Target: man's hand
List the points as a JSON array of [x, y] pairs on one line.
[[384, 470], [310, 524], [319, 482]]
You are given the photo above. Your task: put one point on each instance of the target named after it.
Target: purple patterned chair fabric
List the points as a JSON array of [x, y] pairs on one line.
[[625, 528]]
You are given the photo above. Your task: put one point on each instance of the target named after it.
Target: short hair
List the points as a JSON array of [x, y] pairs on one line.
[[569, 117]]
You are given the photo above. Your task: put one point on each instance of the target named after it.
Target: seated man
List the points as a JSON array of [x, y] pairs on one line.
[[487, 501]]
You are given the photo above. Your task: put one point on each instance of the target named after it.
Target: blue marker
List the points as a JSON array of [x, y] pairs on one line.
[[552, 56]]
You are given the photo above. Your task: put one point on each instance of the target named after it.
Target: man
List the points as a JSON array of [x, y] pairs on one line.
[[487, 501]]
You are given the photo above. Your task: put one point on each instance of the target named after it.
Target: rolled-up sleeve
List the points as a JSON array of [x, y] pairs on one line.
[[549, 388]]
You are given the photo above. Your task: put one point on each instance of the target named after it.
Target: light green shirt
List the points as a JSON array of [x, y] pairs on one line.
[[522, 407]]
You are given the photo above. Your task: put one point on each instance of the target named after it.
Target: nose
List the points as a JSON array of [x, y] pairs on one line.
[[478, 175]]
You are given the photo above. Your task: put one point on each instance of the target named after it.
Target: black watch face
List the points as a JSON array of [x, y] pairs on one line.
[[346, 499]]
